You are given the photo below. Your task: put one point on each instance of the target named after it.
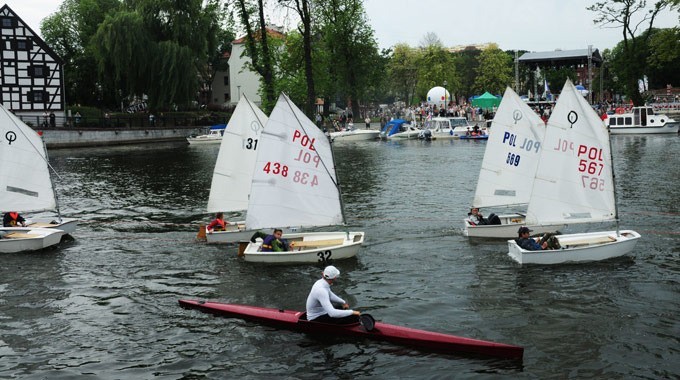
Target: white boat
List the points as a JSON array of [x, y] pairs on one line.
[[641, 120], [25, 181], [439, 128], [354, 135], [574, 183], [214, 135], [295, 184], [310, 247], [233, 173], [399, 129], [508, 168], [19, 239]]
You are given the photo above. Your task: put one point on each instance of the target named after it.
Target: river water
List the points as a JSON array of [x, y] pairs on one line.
[[104, 305]]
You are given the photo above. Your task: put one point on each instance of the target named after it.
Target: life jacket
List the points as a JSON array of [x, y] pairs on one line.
[[221, 225], [14, 216], [267, 243]]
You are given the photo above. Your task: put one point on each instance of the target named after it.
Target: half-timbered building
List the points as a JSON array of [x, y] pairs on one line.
[[31, 74]]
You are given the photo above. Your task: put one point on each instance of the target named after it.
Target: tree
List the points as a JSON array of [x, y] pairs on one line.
[[436, 67], [402, 71], [631, 16], [302, 8], [494, 72], [352, 50], [68, 31], [252, 18]]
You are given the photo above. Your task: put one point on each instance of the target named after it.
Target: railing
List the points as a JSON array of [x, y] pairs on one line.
[[117, 122]]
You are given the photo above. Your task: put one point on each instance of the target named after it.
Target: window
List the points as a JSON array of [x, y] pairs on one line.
[[38, 71], [629, 120], [226, 80], [613, 120], [226, 97], [37, 96], [8, 22], [22, 45]]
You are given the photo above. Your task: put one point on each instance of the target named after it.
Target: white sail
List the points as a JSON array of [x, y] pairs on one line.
[[233, 172], [294, 182], [511, 156], [574, 182], [25, 183]]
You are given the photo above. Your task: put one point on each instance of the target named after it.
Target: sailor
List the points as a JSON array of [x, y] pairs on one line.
[[13, 219], [475, 218], [273, 242], [528, 243], [218, 224], [320, 301]]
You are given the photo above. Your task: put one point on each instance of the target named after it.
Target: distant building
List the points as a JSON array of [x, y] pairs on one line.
[[31, 74], [241, 80]]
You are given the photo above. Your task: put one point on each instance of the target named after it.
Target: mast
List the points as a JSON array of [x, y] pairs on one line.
[[611, 158]]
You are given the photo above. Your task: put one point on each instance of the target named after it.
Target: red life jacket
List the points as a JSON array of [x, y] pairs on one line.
[[14, 216], [221, 225]]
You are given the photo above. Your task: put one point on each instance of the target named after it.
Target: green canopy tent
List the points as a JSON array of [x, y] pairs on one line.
[[486, 101]]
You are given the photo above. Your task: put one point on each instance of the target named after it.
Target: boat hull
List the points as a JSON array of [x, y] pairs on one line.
[[355, 135], [576, 248], [204, 139], [637, 130], [68, 225], [19, 239], [236, 233], [510, 223], [310, 247], [294, 320]]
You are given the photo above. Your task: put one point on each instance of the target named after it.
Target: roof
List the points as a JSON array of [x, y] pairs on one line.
[[270, 32], [38, 40], [561, 57]]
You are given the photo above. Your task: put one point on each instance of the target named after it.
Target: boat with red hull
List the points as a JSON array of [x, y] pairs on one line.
[[296, 320]]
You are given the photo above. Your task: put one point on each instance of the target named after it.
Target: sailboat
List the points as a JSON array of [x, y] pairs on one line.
[[26, 186], [574, 183], [295, 184], [507, 174], [234, 168]]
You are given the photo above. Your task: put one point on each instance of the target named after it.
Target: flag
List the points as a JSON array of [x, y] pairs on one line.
[[547, 89]]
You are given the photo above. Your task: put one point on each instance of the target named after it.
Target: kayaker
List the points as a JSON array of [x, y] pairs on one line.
[[320, 301], [218, 224], [273, 242], [13, 219]]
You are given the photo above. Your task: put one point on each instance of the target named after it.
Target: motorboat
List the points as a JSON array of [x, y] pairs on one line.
[[641, 120], [399, 129], [508, 170], [574, 183], [367, 328], [214, 136], [354, 134], [451, 128]]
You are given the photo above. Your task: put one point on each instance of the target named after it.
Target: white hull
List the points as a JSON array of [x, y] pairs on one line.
[[68, 225], [236, 233], [18, 239], [635, 130], [404, 135], [355, 135], [583, 247], [312, 247], [204, 139], [510, 223]]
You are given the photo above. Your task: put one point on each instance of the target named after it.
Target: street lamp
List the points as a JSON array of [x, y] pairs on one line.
[[446, 107]]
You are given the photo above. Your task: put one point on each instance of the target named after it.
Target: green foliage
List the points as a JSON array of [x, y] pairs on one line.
[[436, 66], [402, 71], [494, 72], [557, 76]]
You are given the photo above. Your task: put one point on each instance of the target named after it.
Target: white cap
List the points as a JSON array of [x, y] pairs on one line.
[[331, 273]]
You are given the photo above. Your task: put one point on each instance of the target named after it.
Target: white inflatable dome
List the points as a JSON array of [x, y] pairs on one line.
[[438, 96]]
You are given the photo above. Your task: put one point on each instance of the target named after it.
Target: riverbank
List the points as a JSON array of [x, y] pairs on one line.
[[56, 138]]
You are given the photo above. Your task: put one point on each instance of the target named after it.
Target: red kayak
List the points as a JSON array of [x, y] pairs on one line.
[[296, 320]]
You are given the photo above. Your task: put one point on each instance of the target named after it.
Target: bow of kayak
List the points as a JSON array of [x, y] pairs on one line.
[[296, 320]]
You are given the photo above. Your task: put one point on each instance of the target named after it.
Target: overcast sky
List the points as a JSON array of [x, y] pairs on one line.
[[534, 25]]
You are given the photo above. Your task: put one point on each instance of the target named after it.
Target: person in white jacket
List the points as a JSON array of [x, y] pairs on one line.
[[320, 301]]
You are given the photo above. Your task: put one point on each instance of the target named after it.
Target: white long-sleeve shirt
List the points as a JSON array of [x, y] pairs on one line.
[[319, 302]]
